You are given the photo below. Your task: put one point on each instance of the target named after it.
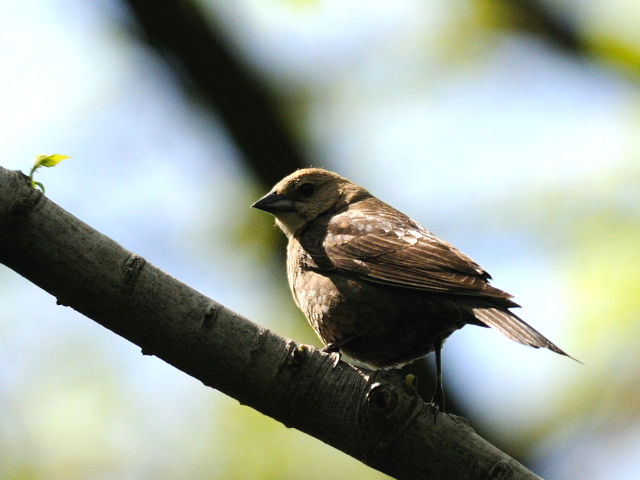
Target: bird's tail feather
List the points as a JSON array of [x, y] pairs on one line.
[[515, 328]]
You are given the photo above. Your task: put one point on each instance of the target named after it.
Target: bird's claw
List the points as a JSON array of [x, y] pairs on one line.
[[435, 409], [334, 352], [337, 356]]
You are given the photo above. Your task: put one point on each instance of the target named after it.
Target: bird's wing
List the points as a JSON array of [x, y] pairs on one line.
[[377, 243]]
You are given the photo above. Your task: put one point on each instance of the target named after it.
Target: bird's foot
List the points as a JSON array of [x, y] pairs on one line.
[[333, 349], [437, 403]]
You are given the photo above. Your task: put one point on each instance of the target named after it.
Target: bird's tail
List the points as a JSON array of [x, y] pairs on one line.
[[515, 328]]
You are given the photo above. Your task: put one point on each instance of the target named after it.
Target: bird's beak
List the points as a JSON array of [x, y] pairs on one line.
[[274, 203]]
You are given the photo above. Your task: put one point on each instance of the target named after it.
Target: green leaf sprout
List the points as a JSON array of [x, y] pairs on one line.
[[44, 160]]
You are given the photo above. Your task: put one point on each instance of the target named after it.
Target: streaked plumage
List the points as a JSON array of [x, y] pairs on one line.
[[374, 284]]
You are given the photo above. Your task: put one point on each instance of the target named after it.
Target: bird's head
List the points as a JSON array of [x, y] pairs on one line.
[[305, 195]]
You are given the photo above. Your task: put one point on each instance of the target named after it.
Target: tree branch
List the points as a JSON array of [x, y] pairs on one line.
[[535, 16], [372, 416]]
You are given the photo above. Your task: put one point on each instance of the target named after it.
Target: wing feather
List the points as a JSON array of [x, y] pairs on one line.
[[376, 242]]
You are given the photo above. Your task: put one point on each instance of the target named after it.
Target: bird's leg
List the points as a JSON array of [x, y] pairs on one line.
[[334, 348], [437, 401]]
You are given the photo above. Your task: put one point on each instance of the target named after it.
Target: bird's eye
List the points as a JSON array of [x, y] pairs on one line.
[[305, 190]]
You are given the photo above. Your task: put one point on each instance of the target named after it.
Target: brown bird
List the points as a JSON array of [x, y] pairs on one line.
[[374, 284]]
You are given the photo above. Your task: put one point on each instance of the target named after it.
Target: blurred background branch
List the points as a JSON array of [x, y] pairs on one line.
[[197, 51]]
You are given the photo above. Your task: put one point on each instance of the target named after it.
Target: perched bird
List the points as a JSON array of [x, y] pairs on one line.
[[374, 284]]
